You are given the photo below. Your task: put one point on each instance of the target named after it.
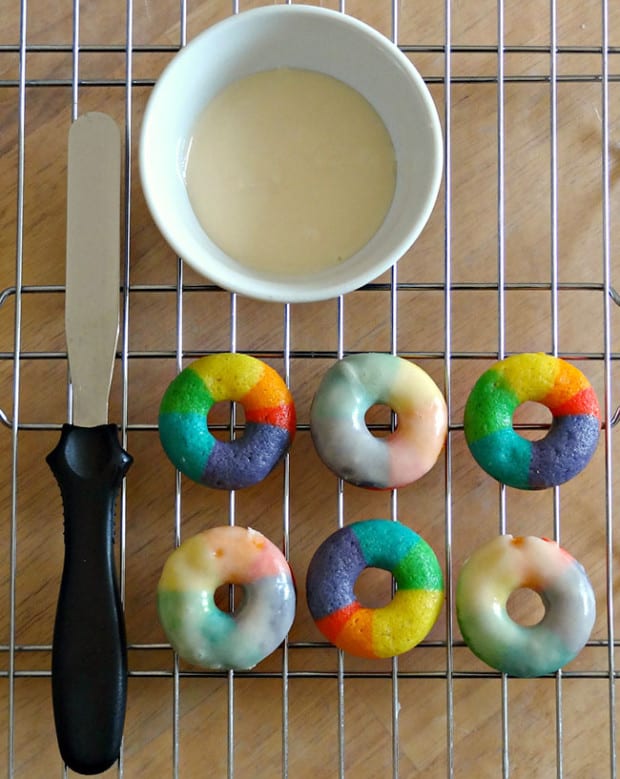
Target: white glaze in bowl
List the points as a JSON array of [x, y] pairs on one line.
[[294, 36]]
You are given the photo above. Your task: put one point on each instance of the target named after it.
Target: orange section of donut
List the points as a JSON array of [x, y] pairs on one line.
[[566, 555], [331, 625], [569, 382], [583, 402], [280, 416], [267, 392], [350, 629], [270, 402]]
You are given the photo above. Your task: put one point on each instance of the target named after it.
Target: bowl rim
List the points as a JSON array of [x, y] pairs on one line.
[[293, 288]]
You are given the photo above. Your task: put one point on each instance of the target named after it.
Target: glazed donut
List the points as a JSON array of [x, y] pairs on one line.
[[344, 442], [509, 457], [269, 420], [197, 629], [504, 565], [389, 630]]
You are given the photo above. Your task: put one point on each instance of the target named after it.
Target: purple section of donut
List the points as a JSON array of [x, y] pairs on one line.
[[564, 451], [233, 465], [332, 573]]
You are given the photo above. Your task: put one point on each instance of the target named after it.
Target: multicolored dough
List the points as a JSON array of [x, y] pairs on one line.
[[391, 629], [509, 457], [269, 420], [344, 442], [504, 565], [198, 630]]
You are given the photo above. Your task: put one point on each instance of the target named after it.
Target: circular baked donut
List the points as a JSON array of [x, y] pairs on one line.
[[509, 457], [389, 630], [269, 420], [504, 565], [344, 442], [197, 629]]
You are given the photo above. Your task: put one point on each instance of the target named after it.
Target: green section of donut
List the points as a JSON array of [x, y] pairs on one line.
[[186, 394], [196, 628], [420, 569], [175, 609], [506, 456], [490, 406], [514, 649], [183, 429], [354, 384]]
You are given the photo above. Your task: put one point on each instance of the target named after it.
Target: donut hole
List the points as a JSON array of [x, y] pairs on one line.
[[228, 597], [532, 420], [373, 588], [525, 606], [220, 416], [379, 420]]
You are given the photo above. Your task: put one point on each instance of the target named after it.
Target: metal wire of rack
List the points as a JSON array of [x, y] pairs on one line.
[[437, 712]]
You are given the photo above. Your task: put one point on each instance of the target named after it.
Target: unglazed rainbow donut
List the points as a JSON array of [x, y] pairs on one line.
[[344, 442], [509, 457], [389, 630], [269, 420], [197, 629], [485, 583]]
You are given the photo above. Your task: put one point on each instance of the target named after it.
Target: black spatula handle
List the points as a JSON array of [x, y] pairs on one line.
[[89, 651]]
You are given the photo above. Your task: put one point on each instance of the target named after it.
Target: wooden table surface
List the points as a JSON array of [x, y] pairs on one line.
[[516, 257]]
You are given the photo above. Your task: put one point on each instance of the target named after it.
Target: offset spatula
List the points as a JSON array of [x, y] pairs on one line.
[[89, 653]]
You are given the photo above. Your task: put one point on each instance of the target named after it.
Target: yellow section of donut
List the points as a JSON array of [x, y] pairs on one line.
[[228, 376], [405, 621], [191, 568], [530, 376], [507, 563], [216, 556], [413, 391]]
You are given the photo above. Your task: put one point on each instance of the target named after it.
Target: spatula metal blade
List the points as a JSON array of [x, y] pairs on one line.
[[93, 263]]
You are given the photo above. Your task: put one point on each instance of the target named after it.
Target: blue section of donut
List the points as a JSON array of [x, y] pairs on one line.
[[505, 455], [385, 544], [332, 573], [187, 441], [521, 651], [570, 594], [564, 451], [247, 460]]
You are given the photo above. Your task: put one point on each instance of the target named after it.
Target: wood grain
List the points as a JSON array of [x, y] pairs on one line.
[[443, 723]]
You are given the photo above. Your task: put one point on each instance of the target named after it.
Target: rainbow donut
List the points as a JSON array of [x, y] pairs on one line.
[[344, 442], [509, 457], [269, 420], [197, 629], [504, 565], [389, 630]]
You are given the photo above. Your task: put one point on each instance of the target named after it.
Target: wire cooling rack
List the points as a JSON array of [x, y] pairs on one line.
[[519, 255]]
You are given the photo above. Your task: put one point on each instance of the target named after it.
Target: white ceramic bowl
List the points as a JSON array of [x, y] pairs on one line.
[[295, 36]]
